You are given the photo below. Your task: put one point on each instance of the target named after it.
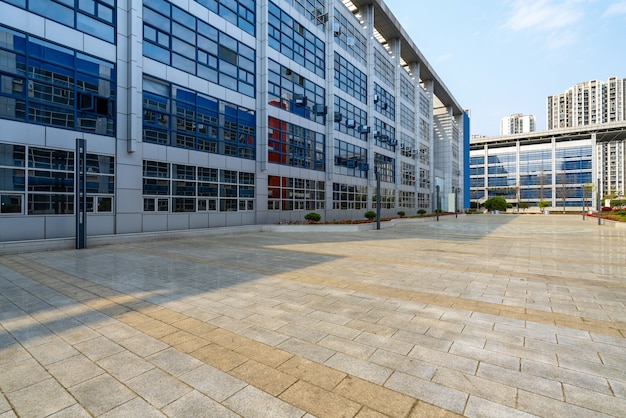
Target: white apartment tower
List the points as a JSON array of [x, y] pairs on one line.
[[590, 103], [517, 124]]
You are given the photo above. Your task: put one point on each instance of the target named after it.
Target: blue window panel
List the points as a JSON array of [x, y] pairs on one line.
[[95, 27], [157, 53]]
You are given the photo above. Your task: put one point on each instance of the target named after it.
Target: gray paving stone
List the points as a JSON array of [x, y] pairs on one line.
[[583, 380], [90, 394], [16, 376], [427, 391], [485, 356], [142, 345], [360, 368], [251, 402], [174, 362], [74, 370], [548, 407], [452, 361], [514, 378], [158, 388], [482, 408], [74, 411], [125, 365], [307, 350], [212, 382], [135, 408], [349, 347], [98, 348], [194, 405], [27, 402], [404, 364]]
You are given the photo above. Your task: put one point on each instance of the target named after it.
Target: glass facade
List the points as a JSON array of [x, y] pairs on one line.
[[40, 181], [183, 118], [384, 102], [241, 13], [94, 17], [288, 193], [290, 91], [177, 38], [350, 119], [533, 174], [169, 187], [47, 84], [350, 159], [290, 38], [350, 38], [296, 146], [350, 79], [349, 196]]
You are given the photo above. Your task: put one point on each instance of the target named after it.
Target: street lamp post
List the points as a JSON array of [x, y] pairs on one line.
[[456, 210], [437, 203], [376, 173]]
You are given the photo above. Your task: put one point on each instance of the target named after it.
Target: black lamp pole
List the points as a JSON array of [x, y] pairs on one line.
[[437, 187]]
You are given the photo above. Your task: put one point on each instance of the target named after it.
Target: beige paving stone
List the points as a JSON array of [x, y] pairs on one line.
[[266, 378], [226, 338], [157, 387], [191, 345], [220, 357], [317, 374], [155, 328], [375, 397], [263, 353], [404, 364], [194, 326], [253, 402], [319, 402], [90, 394], [73, 411]]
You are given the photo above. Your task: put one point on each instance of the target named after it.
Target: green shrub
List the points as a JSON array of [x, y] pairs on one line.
[[421, 212], [313, 217], [496, 203], [370, 215], [401, 213]]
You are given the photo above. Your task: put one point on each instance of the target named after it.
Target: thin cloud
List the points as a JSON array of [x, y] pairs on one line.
[[614, 9], [543, 15]]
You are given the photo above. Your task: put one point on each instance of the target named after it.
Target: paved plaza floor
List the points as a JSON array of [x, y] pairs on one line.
[[477, 316]]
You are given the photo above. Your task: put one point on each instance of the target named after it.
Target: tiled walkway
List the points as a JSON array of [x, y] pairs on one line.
[[480, 316]]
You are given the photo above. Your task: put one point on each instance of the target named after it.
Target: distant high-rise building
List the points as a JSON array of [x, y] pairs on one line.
[[588, 103], [517, 124]]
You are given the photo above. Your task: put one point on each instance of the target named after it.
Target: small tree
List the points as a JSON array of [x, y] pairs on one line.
[[524, 205], [543, 204], [496, 203], [313, 217], [401, 213], [370, 215]]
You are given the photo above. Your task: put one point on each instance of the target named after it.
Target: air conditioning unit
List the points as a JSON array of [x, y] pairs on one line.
[[364, 129], [402, 145], [407, 148], [393, 142], [376, 98], [384, 106], [336, 29], [301, 101], [320, 109], [384, 138], [377, 134], [338, 117], [414, 152], [350, 123]]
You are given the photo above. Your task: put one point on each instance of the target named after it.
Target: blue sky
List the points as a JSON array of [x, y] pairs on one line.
[[500, 57]]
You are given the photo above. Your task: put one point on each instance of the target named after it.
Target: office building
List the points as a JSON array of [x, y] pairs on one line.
[[172, 115], [517, 124], [564, 167]]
